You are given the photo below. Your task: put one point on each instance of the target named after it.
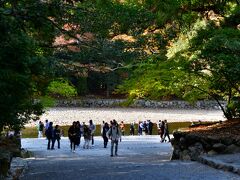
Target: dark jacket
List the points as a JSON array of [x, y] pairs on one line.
[[105, 130], [72, 133], [49, 132], [56, 134]]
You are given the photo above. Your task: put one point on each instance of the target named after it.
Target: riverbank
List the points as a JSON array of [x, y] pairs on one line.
[[65, 116]]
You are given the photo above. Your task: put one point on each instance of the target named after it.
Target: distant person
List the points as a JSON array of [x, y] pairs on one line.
[[92, 128], [162, 129], [40, 128], [102, 125], [122, 127], [78, 136], [114, 133], [131, 129], [56, 135], [104, 134], [166, 132], [46, 125], [72, 135], [87, 136], [140, 127], [150, 127], [49, 135], [144, 128], [159, 126]]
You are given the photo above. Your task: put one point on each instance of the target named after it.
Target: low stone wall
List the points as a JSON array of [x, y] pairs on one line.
[[138, 104], [9, 148], [189, 146]]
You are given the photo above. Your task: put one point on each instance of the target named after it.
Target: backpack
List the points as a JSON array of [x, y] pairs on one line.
[[111, 131]]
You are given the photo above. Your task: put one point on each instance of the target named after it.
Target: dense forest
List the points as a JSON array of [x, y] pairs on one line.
[[154, 49]]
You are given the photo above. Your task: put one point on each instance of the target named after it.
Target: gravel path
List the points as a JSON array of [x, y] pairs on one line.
[[140, 158], [65, 116]]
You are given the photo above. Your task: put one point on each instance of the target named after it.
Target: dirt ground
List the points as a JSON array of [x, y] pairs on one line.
[[228, 129]]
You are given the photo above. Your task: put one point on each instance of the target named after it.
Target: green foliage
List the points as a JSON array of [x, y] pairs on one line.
[[47, 101], [82, 88], [61, 88], [183, 48], [127, 102], [202, 60], [27, 34], [17, 55]]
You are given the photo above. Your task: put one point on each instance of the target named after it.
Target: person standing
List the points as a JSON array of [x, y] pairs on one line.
[[144, 128], [140, 127], [56, 135], [102, 125], [72, 135], [104, 134], [92, 128], [46, 126], [49, 135], [150, 127], [122, 127], [132, 129], [114, 133], [159, 126], [40, 129]]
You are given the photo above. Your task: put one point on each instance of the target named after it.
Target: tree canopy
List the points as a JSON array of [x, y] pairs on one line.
[[188, 49], [202, 60]]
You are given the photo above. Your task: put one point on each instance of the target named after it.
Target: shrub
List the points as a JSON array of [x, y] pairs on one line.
[[61, 88]]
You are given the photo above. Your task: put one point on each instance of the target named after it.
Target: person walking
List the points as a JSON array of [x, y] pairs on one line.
[[40, 128], [72, 135], [166, 131], [87, 136], [104, 134], [92, 128], [162, 129], [56, 135], [78, 136], [114, 133], [49, 135]]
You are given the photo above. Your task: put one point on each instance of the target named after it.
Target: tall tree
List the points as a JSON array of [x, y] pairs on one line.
[[28, 29], [202, 60]]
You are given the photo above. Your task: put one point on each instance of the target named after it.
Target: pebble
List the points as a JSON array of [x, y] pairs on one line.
[[65, 116]]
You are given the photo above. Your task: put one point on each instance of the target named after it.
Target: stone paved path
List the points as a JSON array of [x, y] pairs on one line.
[[140, 158], [65, 116]]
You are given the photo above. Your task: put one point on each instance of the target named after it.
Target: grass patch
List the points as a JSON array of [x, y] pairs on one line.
[[31, 132]]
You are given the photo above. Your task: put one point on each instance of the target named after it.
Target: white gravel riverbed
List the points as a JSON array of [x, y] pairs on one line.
[[65, 116]]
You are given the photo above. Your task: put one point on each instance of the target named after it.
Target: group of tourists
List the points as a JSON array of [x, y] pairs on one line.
[[109, 131], [77, 130], [52, 134], [144, 128]]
